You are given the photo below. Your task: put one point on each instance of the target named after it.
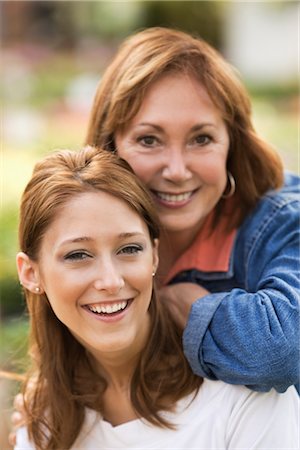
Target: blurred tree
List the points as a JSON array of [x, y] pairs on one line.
[[106, 19], [204, 18]]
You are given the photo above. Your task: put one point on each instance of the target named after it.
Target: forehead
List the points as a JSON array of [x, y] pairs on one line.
[[95, 213], [180, 94]]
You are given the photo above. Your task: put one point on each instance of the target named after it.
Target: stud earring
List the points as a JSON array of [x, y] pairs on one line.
[[37, 290], [153, 274]]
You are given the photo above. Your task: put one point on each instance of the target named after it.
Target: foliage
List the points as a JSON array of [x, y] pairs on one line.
[[8, 233], [274, 91], [10, 293], [11, 299], [204, 18], [14, 339]]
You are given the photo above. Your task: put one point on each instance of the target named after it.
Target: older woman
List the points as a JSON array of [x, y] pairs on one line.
[[172, 107], [108, 370]]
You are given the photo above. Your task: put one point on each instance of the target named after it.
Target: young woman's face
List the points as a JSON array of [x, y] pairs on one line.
[[95, 266], [178, 144]]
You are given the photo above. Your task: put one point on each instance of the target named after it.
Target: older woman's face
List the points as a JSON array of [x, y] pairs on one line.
[[178, 144]]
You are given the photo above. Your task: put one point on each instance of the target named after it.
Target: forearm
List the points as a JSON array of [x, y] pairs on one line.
[[243, 338]]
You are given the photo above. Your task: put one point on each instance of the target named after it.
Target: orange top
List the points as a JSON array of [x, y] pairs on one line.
[[210, 252]]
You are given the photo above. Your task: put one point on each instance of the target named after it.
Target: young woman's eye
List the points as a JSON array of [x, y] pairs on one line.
[[202, 139], [76, 256], [131, 249], [148, 140]]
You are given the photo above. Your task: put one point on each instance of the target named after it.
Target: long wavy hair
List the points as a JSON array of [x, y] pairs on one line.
[[62, 381], [149, 54]]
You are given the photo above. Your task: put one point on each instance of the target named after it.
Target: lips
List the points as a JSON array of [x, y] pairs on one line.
[[174, 199], [107, 308]]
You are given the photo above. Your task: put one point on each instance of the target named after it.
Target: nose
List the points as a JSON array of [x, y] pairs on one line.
[[176, 167], [109, 278]]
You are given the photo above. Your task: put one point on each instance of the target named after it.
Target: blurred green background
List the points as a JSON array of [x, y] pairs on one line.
[[53, 54]]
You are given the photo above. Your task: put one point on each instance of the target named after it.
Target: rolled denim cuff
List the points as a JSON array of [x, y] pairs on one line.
[[200, 317]]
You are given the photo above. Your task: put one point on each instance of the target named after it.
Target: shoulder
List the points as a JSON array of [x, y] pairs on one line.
[[86, 436], [289, 192], [277, 208], [23, 442], [277, 199], [245, 418], [237, 398]]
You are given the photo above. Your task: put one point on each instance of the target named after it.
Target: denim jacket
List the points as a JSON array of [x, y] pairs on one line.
[[247, 330]]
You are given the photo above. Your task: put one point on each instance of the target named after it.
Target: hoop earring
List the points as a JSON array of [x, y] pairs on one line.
[[232, 186]]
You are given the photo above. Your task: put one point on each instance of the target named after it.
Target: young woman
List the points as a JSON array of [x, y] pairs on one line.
[[108, 370], [176, 111]]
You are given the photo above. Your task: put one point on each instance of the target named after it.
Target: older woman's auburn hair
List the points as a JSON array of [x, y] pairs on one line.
[[151, 53], [62, 380]]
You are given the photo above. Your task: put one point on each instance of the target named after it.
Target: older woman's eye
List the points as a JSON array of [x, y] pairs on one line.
[[148, 140], [131, 249], [202, 139]]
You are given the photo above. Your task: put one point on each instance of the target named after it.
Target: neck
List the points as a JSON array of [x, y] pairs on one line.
[[118, 365], [171, 246], [118, 369]]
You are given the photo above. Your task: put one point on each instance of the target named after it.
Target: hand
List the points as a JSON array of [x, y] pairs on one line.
[[179, 298], [18, 418]]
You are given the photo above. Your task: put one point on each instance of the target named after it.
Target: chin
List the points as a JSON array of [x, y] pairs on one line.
[[184, 225]]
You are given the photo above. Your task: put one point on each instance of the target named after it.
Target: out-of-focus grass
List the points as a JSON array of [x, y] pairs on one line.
[[14, 333], [13, 358]]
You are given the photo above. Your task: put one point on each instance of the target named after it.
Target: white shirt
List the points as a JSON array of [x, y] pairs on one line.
[[222, 416]]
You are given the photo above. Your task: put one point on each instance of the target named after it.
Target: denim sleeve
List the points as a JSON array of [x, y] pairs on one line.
[[250, 336]]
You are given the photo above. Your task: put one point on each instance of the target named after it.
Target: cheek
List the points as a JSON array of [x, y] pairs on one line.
[[63, 292], [212, 170], [145, 167], [142, 170], [141, 278]]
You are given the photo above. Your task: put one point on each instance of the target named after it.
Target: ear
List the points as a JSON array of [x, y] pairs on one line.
[[155, 255], [28, 273]]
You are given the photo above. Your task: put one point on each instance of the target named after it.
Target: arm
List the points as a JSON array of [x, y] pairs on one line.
[[179, 298], [250, 336]]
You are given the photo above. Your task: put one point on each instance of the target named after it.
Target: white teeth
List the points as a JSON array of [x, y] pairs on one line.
[[108, 309], [174, 197]]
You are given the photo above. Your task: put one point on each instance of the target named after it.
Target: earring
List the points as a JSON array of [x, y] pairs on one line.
[[232, 186], [37, 290], [153, 274]]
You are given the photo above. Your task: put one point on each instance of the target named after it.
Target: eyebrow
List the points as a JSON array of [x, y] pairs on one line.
[[195, 127], [90, 239]]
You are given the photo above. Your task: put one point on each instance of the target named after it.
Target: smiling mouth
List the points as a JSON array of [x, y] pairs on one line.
[[174, 198], [108, 309]]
